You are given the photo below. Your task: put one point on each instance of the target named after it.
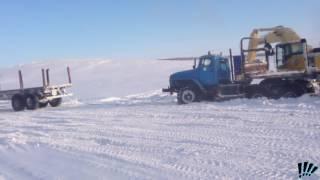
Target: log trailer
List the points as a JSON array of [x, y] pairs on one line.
[[37, 97], [295, 71]]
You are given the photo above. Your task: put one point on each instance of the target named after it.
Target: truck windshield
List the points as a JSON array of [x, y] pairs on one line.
[[205, 62]]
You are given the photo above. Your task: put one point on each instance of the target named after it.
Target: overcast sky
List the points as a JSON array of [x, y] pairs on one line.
[[33, 30]]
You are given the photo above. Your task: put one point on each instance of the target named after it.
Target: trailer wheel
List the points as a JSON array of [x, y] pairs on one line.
[[32, 102], [55, 102], [187, 95], [43, 104], [18, 102]]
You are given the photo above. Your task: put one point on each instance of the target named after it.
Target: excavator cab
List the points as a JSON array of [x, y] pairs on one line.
[[292, 56]]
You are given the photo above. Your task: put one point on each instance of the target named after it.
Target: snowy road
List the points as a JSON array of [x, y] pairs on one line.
[[148, 136]]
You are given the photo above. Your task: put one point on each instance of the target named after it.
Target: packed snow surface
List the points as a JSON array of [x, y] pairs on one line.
[[119, 125]]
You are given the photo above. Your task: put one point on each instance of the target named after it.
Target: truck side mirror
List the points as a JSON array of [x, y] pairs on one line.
[[194, 63]]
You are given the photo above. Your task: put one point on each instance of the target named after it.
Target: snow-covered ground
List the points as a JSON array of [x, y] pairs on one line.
[[120, 126]]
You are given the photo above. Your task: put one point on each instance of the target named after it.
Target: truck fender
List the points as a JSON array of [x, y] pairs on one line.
[[194, 83], [200, 86]]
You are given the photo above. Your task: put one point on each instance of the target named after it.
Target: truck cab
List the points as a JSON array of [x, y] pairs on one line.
[[210, 71], [205, 80]]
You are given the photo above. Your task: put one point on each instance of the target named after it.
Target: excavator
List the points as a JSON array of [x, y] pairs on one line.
[[291, 51], [278, 64]]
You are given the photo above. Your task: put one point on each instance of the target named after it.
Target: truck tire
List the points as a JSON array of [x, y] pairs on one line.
[[187, 95], [32, 101], [55, 102], [18, 102]]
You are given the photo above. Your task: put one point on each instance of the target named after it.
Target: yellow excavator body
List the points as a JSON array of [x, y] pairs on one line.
[[317, 61], [295, 63], [315, 58], [280, 35]]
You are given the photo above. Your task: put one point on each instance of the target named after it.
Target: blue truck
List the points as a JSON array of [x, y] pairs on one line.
[[216, 77]]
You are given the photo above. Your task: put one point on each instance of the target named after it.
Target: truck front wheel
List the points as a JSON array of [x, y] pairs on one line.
[[187, 95]]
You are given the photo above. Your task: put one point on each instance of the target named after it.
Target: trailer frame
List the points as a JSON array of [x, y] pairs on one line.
[[36, 97]]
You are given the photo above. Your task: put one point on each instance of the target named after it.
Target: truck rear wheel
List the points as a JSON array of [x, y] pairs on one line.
[[55, 102], [187, 95], [18, 102], [32, 102]]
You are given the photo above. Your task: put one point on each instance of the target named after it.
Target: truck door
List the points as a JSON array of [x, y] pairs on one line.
[[223, 72], [207, 72]]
